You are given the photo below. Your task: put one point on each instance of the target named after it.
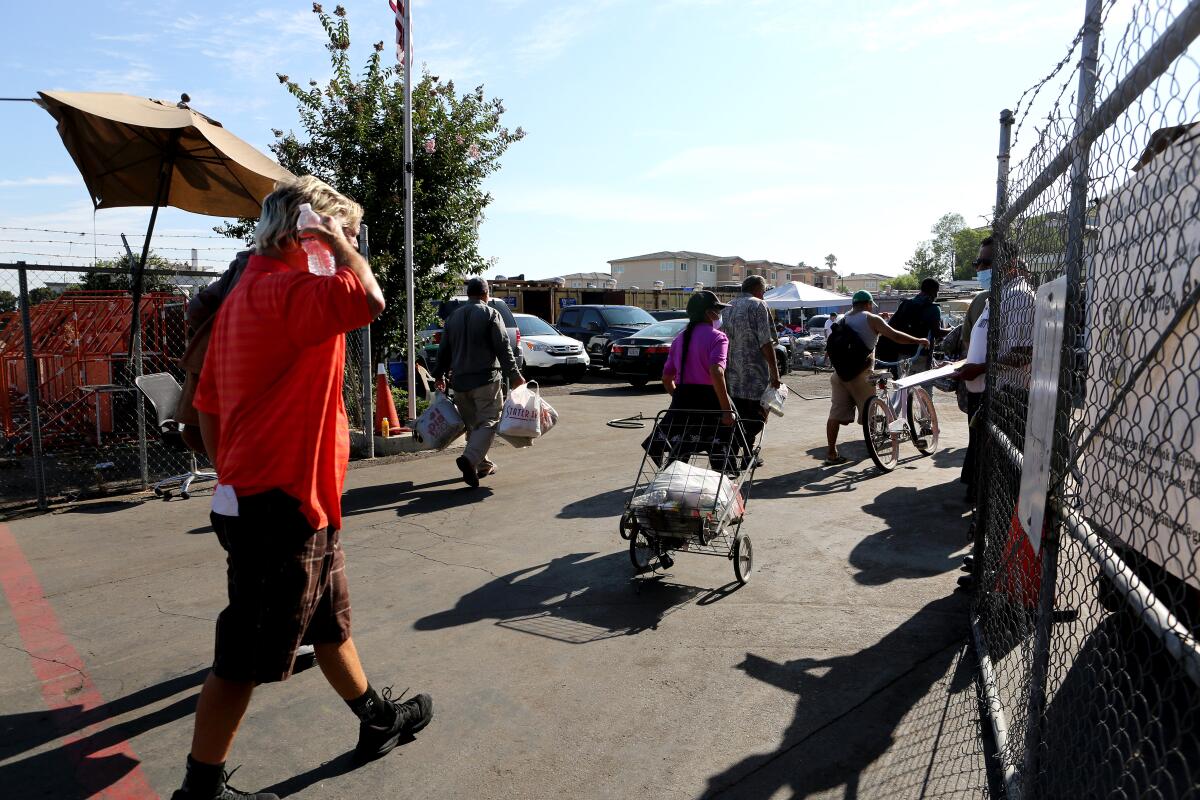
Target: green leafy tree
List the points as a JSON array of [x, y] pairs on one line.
[[831, 261], [941, 246], [107, 281], [903, 282], [8, 302], [41, 295], [966, 250], [925, 263], [352, 138]]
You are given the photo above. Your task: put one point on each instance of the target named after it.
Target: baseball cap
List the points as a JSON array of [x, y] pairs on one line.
[[862, 296], [700, 302]]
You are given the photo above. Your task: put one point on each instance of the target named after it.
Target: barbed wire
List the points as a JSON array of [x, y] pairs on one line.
[[130, 236], [234, 245]]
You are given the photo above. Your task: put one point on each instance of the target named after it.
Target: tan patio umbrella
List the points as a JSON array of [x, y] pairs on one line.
[[132, 151]]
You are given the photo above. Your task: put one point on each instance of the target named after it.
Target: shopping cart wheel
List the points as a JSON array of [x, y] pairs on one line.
[[627, 526], [641, 552], [743, 558], [882, 445]]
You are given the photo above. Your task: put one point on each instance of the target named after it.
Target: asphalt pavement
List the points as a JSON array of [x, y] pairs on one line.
[[841, 669]]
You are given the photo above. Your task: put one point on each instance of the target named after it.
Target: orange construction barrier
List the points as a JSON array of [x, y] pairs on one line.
[[385, 405]]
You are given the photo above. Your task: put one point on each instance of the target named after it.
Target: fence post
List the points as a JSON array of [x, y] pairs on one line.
[[33, 393], [364, 248], [1076, 227], [136, 351], [998, 232]]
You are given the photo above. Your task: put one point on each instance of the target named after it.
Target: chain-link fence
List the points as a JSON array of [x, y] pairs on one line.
[[71, 417], [1087, 604]]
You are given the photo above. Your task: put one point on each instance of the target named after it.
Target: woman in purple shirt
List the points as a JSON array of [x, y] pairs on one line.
[[694, 376]]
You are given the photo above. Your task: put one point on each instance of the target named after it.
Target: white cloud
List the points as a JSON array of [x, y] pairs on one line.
[[45, 180], [557, 30]]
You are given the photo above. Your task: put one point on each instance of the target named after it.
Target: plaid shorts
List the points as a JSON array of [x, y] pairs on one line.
[[287, 587]]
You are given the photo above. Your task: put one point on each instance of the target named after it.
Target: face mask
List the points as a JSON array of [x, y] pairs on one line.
[[985, 279], [717, 323]]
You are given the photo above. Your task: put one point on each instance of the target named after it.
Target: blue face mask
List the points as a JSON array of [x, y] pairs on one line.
[[985, 279]]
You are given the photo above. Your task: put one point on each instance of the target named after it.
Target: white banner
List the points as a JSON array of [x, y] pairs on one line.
[[1140, 471]]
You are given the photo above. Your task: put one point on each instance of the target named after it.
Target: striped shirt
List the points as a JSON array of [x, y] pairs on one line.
[[273, 378]]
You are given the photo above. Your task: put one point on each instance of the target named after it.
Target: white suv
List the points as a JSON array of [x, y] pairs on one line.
[[546, 350]]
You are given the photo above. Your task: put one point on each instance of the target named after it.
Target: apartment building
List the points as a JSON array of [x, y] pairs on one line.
[[675, 268], [685, 268], [870, 281]]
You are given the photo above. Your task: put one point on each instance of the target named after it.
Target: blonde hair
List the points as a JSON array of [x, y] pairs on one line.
[[276, 227]]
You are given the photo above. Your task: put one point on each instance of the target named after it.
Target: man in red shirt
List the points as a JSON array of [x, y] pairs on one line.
[[270, 406]]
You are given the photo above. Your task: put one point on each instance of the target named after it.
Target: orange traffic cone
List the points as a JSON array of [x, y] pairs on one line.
[[385, 406]]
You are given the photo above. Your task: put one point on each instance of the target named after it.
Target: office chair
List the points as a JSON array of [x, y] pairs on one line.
[[163, 392]]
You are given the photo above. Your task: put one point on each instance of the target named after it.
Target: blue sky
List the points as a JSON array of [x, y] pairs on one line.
[[780, 129]]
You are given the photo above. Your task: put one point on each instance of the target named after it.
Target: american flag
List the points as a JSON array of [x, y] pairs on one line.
[[402, 23]]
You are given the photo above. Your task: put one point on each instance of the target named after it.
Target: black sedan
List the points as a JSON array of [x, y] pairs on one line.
[[640, 358]]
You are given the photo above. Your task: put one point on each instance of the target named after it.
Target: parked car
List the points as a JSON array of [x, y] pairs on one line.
[[545, 350], [816, 323], [430, 339], [639, 358], [598, 326], [664, 315]]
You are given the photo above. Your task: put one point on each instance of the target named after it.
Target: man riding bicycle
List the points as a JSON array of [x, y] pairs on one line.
[[850, 395]]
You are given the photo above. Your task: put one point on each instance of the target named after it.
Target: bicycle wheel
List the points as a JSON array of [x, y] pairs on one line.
[[882, 445], [922, 421]]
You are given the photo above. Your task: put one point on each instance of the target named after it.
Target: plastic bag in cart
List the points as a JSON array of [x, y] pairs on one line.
[[680, 486]]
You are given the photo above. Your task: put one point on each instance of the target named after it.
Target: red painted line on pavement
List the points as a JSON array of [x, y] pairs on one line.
[[64, 681]]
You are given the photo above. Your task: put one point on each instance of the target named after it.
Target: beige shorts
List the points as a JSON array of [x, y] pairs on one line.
[[849, 396]]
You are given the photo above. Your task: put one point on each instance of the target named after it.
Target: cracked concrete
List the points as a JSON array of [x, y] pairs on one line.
[[555, 673]]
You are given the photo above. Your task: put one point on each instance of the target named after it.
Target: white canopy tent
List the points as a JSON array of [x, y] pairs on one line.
[[795, 294]]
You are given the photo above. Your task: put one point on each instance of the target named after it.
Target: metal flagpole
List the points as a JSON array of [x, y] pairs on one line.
[[410, 331]]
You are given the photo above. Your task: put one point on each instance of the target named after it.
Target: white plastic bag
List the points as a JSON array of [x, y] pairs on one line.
[[547, 416], [687, 487], [522, 416], [440, 424], [773, 399]]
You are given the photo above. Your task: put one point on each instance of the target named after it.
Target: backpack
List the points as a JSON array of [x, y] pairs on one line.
[[907, 319], [847, 351]]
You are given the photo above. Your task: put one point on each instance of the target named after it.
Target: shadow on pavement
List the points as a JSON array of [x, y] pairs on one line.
[[575, 599], [605, 504], [926, 715], [339, 766], [923, 532], [80, 768], [409, 498]]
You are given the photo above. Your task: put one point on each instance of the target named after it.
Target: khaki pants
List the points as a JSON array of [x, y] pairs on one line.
[[480, 409]]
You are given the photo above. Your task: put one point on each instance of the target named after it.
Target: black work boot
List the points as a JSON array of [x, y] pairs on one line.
[[211, 782], [395, 721]]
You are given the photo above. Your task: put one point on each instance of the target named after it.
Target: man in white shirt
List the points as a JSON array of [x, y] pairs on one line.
[[829, 323]]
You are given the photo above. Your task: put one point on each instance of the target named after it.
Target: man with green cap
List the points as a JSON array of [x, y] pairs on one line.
[[850, 395]]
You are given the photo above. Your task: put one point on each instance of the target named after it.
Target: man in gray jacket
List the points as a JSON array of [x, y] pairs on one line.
[[474, 351]]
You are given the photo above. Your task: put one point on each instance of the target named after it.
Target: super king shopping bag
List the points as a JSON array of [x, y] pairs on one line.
[[522, 416]]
